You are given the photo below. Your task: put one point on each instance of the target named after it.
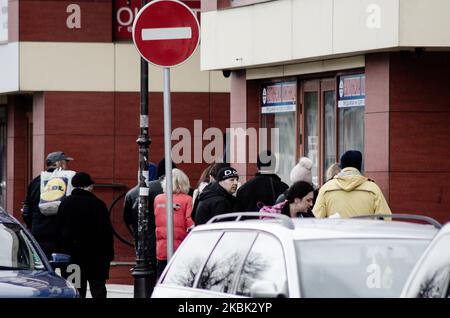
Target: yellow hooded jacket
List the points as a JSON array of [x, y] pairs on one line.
[[350, 194]]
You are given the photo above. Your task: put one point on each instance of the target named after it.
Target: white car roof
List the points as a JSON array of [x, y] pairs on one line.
[[312, 228]]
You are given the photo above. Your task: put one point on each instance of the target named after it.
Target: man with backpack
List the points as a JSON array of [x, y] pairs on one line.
[[43, 227]]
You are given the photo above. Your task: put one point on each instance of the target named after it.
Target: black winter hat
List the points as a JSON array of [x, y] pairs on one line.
[[226, 173], [265, 159], [161, 171], [351, 158], [82, 180]]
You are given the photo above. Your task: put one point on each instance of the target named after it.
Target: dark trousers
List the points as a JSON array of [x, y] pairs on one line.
[[97, 288], [160, 265]]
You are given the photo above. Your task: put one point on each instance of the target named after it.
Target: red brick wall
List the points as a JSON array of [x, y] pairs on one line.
[[420, 134], [377, 114], [46, 21], [100, 130], [16, 182]]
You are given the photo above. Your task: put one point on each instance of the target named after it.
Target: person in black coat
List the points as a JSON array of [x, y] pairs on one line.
[[264, 188], [43, 227], [85, 233], [217, 198]]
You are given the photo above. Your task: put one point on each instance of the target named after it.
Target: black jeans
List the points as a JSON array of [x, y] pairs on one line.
[[97, 288]]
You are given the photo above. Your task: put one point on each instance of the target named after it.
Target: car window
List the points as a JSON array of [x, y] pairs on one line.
[[16, 250], [225, 261], [265, 262], [367, 268], [433, 277], [190, 257]]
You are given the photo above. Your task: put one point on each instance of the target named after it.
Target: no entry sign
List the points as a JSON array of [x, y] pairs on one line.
[[166, 32]]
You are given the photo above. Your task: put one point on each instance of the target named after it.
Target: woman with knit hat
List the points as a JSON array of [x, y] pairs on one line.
[[301, 172]]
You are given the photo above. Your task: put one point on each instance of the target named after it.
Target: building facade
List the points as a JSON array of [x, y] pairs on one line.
[[70, 81], [334, 75]]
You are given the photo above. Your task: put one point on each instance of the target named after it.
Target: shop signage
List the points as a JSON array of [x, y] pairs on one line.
[[3, 21], [125, 11], [352, 91], [279, 97]]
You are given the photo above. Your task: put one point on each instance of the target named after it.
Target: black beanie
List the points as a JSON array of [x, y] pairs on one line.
[[82, 180], [226, 173], [161, 171], [351, 158], [265, 159]]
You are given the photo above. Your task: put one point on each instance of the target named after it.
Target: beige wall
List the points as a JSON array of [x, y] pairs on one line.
[[307, 68], [104, 67], [293, 31], [425, 23]]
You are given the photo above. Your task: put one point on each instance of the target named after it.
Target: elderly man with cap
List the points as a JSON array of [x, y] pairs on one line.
[[43, 227], [218, 197], [349, 193], [85, 233]]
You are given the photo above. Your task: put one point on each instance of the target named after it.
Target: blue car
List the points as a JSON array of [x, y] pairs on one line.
[[24, 269]]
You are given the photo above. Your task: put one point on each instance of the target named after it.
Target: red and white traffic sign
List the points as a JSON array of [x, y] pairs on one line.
[[166, 32]]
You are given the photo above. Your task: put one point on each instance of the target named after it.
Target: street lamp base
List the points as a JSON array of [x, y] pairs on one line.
[[144, 282]]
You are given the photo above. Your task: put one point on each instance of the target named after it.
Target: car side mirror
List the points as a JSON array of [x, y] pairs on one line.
[[60, 260], [265, 289]]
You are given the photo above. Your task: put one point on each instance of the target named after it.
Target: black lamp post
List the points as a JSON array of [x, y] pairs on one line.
[[143, 272]]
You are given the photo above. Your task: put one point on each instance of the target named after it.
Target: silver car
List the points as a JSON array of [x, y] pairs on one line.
[[283, 257], [430, 278]]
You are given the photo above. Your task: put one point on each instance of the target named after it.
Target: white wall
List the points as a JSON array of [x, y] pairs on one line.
[[292, 31], [425, 23], [9, 67]]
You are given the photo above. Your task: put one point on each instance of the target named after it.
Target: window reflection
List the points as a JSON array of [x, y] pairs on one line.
[[220, 270], [433, 277], [330, 131], [351, 130], [264, 262], [312, 132], [16, 250], [436, 286], [192, 255]]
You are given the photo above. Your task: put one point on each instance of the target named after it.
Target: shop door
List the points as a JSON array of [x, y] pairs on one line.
[[319, 122]]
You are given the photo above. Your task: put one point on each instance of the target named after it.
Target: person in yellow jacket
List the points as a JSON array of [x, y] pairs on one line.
[[349, 193]]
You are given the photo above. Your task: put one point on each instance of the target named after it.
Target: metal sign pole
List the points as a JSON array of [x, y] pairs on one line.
[[143, 274], [168, 156]]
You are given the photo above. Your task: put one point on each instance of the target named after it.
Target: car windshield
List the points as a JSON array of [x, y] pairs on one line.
[[16, 250], [363, 267]]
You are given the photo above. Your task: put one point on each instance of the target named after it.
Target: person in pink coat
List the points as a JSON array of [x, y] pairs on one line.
[[182, 209]]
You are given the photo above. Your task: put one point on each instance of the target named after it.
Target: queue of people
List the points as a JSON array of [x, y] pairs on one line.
[[81, 227]]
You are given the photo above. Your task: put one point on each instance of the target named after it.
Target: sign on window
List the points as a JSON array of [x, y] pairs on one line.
[[279, 98], [352, 91]]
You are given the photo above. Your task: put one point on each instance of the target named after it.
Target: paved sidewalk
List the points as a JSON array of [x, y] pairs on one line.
[[116, 291]]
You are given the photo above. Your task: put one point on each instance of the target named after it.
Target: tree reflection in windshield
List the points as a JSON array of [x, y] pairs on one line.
[[16, 250]]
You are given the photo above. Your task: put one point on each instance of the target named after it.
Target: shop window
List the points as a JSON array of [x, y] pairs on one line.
[[329, 126], [278, 109], [328, 120], [312, 132], [351, 113]]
